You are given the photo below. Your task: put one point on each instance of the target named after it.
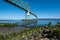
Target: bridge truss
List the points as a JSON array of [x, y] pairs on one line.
[[24, 6]]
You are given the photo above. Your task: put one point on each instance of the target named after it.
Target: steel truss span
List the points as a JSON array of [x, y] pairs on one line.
[[22, 5]]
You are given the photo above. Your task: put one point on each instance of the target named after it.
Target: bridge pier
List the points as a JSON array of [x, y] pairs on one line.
[[24, 6], [27, 15]]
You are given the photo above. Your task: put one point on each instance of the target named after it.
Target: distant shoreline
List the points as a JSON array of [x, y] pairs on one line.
[[31, 19]]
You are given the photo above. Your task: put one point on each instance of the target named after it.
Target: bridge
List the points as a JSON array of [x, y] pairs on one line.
[[24, 6]]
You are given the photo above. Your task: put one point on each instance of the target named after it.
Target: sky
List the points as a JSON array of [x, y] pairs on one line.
[[42, 8]]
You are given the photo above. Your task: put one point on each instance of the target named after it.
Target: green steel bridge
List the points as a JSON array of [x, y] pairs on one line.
[[24, 6]]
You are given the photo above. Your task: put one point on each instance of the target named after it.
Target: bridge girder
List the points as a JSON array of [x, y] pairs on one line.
[[26, 8]]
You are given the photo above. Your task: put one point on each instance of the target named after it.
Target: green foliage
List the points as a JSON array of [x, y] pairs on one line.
[[8, 24], [28, 32], [21, 34], [58, 24], [49, 24], [2, 37]]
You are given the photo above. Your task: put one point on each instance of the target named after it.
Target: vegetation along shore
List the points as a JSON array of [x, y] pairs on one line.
[[31, 33]]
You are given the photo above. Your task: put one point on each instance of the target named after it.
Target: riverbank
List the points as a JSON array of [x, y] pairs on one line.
[[34, 33], [8, 24], [31, 34]]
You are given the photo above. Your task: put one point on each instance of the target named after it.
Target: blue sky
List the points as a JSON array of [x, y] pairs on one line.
[[42, 8]]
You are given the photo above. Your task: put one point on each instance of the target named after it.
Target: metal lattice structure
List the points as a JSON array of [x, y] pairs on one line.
[[20, 3], [24, 6]]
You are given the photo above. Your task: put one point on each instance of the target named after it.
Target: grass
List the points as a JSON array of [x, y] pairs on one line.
[[27, 33], [8, 24]]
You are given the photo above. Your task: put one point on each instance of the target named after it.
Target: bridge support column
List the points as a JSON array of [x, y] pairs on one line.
[[27, 16]]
